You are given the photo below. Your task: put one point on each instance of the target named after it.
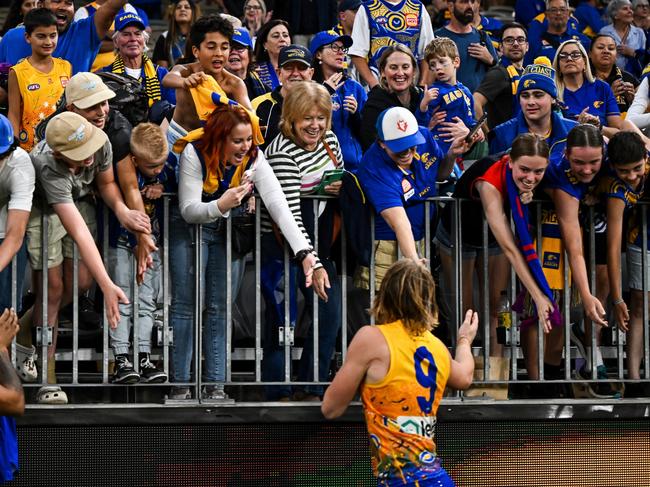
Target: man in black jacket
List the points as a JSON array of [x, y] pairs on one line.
[[294, 66]]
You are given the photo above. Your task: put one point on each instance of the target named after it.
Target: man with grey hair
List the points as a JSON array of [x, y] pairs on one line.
[[630, 39], [130, 39], [550, 29]]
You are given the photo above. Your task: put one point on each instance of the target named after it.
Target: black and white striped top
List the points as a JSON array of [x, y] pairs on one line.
[[299, 171]]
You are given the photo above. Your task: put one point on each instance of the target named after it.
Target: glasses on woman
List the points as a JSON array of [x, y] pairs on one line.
[[509, 41], [252, 7], [574, 56], [338, 48]]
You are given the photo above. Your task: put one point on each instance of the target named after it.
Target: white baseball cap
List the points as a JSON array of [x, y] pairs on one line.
[[398, 129]]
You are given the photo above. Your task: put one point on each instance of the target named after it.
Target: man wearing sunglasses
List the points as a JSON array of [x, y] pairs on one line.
[[496, 93]]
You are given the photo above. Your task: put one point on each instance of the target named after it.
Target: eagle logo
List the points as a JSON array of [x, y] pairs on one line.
[[529, 82]]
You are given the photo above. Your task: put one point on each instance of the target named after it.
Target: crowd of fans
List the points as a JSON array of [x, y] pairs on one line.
[[278, 98]]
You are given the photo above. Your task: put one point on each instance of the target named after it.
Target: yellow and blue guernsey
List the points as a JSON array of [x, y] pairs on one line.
[[393, 24], [457, 101], [400, 411], [40, 93], [613, 187]]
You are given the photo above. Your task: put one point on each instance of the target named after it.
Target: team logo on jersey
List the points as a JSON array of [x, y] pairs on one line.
[[33, 87], [381, 20], [64, 80], [551, 260], [411, 20], [402, 125], [598, 104]]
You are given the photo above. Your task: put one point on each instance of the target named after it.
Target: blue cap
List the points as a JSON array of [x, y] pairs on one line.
[[398, 129], [241, 36], [124, 19], [6, 134], [327, 37]]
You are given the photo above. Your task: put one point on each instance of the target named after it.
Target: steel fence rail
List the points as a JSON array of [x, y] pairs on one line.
[[244, 365]]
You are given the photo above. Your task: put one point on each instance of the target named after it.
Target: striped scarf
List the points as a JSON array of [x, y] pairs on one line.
[[527, 246], [151, 82], [513, 76]]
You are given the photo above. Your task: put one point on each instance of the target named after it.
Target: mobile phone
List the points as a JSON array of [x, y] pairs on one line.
[[476, 128], [329, 177]]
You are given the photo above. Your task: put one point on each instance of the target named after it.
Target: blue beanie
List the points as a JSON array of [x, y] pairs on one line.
[[538, 76]]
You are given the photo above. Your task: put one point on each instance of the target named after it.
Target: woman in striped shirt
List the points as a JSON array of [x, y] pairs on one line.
[[299, 156]]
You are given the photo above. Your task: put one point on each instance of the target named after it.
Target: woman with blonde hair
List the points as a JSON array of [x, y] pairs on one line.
[[582, 96], [402, 370], [300, 155]]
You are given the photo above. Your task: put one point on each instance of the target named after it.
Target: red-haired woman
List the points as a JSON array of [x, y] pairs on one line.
[[216, 178]]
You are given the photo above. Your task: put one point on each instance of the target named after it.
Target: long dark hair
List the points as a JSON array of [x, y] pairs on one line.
[[584, 135], [261, 56], [14, 16], [173, 30], [529, 144]]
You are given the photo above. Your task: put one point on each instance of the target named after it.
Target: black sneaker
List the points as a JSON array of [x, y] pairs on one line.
[[149, 372], [124, 371]]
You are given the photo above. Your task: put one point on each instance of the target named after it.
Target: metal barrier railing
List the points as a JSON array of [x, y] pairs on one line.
[[251, 374]]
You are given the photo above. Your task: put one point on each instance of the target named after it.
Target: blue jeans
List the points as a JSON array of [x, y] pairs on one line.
[[329, 320], [120, 263], [5, 280], [183, 275]]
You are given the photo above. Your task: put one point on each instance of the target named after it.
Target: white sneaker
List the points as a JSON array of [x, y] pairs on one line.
[[26, 363], [51, 395]]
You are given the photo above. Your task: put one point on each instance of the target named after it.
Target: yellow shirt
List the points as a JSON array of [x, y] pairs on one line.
[[39, 93], [400, 410]]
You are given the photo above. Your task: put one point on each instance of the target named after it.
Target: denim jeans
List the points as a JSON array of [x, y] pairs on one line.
[[121, 263], [329, 320], [213, 269], [5, 280]]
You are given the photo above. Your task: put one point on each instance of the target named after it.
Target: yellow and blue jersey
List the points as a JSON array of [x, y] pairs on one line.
[[393, 24], [457, 101], [400, 411], [598, 97], [39, 93], [503, 135], [389, 186]]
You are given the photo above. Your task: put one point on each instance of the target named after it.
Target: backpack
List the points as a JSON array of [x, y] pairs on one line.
[[130, 97], [357, 218], [130, 100]]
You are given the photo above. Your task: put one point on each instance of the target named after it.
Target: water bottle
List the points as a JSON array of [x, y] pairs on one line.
[[504, 319]]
